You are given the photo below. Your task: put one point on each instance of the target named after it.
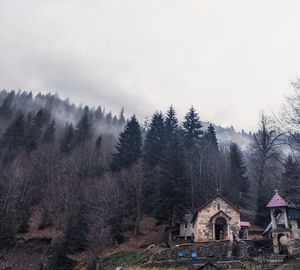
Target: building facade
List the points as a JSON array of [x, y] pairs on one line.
[[217, 219], [285, 225]]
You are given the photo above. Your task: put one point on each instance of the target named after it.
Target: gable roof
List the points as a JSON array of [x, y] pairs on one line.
[[220, 212], [277, 201], [213, 198]]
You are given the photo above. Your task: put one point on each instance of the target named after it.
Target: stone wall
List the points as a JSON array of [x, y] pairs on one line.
[[221, 250], [186, 231], [296, 248], [203, 224], [295, 229], [189, 229]]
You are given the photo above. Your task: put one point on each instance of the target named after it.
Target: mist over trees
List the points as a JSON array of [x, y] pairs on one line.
[[94, 175]]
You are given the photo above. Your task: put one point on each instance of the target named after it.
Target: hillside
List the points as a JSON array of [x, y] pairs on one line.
[[78, 182]]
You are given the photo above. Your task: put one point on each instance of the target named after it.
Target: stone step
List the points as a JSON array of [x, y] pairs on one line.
[[270, 266]]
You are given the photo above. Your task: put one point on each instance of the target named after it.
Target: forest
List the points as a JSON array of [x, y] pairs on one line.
[[94, 175]]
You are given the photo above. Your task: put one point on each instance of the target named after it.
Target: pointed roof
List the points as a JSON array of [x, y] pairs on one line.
[[223, 198], [220, 213], [277, 201], [210, 200]]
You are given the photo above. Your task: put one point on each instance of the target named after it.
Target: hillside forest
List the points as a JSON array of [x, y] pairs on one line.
[[94, 175]]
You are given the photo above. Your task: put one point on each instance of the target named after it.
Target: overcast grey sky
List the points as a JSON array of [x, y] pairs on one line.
[[230, 59]]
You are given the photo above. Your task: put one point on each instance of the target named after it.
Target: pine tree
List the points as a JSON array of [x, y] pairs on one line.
[[211, 138], [155, 140], [14, 136], [28, 120], [174, 196], [115, 121], [291, 179], [129, 146], [99, 143], [122, 118], [192, 128], [35, 129], [13, 139], [6, 109], [99, 113], [192, 135], [171, 123], [239, 185], [83, 128], [49, 135], [44, 116], [67, 142], [76, 230], [109, 118]]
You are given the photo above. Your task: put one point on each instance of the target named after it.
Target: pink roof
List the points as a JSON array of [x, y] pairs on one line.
[[245, 224], [276, 201]]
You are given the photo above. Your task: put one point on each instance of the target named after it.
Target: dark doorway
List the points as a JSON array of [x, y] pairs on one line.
[[219, 231], [220, 228], [283, 249]]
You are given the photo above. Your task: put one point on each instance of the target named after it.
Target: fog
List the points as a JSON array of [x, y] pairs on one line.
[[230, 59]]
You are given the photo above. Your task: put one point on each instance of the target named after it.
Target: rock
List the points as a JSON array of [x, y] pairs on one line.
[[150, 247]]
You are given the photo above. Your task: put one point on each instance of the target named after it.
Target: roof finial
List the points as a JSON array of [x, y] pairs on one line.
[[276, 190], [218, 190]]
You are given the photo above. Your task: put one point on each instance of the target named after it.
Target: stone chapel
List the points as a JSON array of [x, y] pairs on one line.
[[217, 219]]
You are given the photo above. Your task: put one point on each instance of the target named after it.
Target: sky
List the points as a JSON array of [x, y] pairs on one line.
[[229, 59]]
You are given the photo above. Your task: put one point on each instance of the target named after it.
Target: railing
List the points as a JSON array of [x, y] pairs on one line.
[[268, 257]]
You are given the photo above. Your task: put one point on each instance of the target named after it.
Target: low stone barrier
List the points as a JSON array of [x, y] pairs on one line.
[[296, 248], [219, 250]]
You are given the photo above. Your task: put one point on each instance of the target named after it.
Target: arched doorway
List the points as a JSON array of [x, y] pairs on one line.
[[282, 243], [220, 228]]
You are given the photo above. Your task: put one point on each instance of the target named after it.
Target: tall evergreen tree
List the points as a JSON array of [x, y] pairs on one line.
[[15, 134], [67, 141], [76, 230], [291, 180], [35, 129], [192, 135], [83, 128], [6, 109], [211, 138], [192, 128], [155, 140], [122, 118], [98, 143], [28, 120], [49, 135], [109, 118], [129, 146], [171, 123], [239, 185], [115, 121], [174, 196], [99, 113]]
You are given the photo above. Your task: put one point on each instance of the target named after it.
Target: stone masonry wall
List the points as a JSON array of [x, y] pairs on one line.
[[203, 225], [296, 248], [221, 250]]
